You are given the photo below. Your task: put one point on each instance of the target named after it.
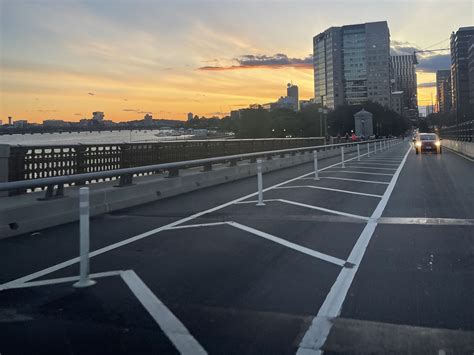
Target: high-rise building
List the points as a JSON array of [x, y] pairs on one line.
[[470, 67], [190, 116], [352, 64], [460, 42], [443, 90], [404, 79]]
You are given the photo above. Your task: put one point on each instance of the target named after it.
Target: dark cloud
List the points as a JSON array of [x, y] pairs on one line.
[[90, 93], [276, 61], [431, 64], [402, 48], [78, 114], [136, 110], [428, 62], [427, 85]]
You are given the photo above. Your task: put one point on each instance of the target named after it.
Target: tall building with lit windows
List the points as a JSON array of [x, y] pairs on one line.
[[352, 64]]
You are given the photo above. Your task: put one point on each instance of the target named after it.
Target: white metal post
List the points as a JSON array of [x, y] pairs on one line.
[[316, 172], [368, 149], [84, 280], [342, 157], [358, 152], [260, 183], [380, 145], [375, 147]]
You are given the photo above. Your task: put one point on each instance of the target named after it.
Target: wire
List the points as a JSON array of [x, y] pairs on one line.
[[444, 40]]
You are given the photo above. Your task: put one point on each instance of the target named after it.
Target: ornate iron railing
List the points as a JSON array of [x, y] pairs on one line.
[[463, 132], [41, 161]]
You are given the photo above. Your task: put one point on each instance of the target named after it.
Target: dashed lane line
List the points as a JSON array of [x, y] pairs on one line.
[[329, 189]]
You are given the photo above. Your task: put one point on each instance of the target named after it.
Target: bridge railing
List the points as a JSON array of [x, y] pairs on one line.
[[463, 132], [54, 185], [41, 161]]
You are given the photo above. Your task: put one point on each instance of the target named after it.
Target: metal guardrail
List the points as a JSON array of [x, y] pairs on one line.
[[463, 132], [125, 175]]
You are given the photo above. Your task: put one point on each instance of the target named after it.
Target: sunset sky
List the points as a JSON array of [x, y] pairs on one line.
[[63, 59]]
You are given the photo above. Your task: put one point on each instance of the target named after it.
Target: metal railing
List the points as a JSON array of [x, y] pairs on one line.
[[463, 132], [41, 161], [54, 186]]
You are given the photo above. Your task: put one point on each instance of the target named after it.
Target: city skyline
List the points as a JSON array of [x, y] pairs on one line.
[[63, 60]]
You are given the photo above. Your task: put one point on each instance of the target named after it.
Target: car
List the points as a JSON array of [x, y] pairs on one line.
[[427, 142]]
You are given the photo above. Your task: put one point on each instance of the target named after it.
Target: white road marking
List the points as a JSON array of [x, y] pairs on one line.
[[166, 320], [357, 180], [323, 209], [459, 154], [199, 225], [133, 239], [356, 172], [297, 247], [376, 163], [320, 327], [329, 189], [58, 280], [368, 167]]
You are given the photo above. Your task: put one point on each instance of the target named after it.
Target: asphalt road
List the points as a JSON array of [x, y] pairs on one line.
[[376, 257]]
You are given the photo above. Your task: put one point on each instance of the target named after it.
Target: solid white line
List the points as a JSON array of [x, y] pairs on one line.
[[357, 180], [324, 209], [166, 320], [58, 280], [199, 225], [297, 247], [356, 172], [320, 327], [152, 232], [376, 163], [459, 154], [368, 167], [330, 189]]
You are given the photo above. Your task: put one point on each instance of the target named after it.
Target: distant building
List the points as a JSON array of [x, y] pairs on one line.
[[55, 123], [97, 116], [398, 101], [290, 101], [443, 91], [148, 119], [10, 120], [404, 79], [352, 64], [20, 123], [190, 116], [460, 44], [293, 96], [470, 65]]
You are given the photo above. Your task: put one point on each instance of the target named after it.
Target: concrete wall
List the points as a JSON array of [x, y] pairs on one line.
[[466, 148], [24, 213]]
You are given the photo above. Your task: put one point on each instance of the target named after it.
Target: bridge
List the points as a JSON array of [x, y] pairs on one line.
[[348, 248]]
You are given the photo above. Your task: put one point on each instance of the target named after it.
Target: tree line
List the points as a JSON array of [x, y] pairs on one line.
[[308, 122]]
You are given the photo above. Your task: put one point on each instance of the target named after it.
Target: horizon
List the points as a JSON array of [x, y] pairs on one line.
[[64, 60]]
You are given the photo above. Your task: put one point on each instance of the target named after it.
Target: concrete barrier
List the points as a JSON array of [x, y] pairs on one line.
[[465, 148], [24, 213]]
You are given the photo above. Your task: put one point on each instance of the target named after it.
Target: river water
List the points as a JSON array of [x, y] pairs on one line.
[[126, 136]]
